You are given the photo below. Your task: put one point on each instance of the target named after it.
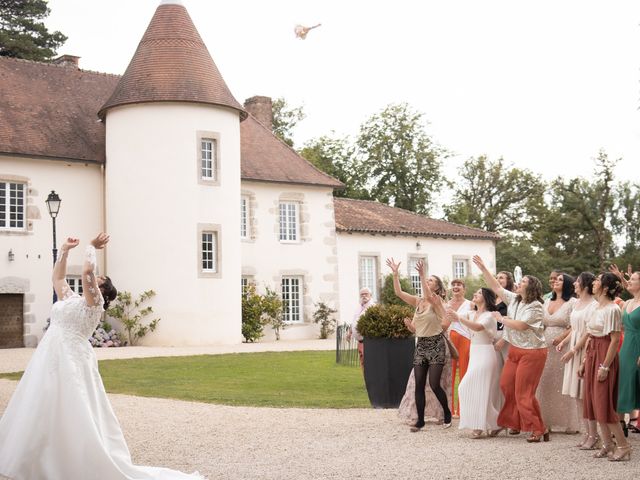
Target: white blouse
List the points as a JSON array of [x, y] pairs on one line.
[[605, 320]]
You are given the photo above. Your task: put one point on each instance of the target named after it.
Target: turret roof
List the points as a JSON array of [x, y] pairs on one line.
[[172, 64]]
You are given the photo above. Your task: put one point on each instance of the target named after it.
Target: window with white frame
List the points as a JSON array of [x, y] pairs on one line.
[[245, 283], [244, 216], [75, 283], [289, 224], [413, 275], [12, 205], [209, 252], [292, 299], [208, 158], [368, 274], [460, 267]]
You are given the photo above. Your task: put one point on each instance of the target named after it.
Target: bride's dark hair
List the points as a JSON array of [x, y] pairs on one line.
[[109, 292]]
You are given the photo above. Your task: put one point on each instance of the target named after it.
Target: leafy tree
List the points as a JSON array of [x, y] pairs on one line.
[[285, 118], [497, 197], [403, 162], [258, 311], [627, 222], [337, 157], [522, 252], [22, 32], [272, 311], [252, 319], [388, 295], [580, 224]]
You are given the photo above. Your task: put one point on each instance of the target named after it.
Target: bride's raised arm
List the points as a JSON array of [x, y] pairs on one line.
[[89, 280], [59, 276]]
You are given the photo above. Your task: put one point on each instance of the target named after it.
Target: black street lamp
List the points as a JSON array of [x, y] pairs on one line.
[[53, 205]]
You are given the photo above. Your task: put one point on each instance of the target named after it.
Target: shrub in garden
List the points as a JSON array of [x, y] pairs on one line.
[[131, 316], [385, 321], [258, 311], [324, 316], [105, 336]]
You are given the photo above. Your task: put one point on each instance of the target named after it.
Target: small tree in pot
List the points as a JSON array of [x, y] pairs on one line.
[[388, 353]]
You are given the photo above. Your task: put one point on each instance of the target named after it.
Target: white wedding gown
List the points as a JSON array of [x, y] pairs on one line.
[[59, 424]]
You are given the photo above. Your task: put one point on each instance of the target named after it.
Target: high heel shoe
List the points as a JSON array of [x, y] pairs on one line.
[[535, 438], [592, 443], [621, 454], [583, 441], [604, 451]]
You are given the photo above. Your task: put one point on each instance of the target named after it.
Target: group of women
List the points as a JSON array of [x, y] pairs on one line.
[[528, 364]]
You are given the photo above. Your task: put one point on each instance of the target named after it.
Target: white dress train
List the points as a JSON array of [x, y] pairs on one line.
[[59, 424], [479, 390]]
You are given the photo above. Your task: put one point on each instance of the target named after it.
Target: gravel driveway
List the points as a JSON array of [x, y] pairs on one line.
[[270, 443]]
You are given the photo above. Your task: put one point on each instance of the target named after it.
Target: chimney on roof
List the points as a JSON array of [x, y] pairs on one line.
[[67, 61], [262, 109]]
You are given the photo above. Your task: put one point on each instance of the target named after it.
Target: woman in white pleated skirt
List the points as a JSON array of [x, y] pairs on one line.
[[479, 390]]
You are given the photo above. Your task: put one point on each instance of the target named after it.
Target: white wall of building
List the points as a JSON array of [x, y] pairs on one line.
[[439, 254], [265, 259], [155, 207], [79, 185]]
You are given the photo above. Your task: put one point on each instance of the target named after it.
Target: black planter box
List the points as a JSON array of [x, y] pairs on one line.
[[387, 366]]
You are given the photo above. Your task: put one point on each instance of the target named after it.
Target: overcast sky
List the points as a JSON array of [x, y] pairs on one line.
[[544, 84]]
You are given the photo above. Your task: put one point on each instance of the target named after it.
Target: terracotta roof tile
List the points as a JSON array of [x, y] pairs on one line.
[[373, 217], [172, 63], [50, 110], [266, 158]]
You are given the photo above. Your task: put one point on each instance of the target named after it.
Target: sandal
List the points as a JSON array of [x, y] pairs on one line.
[[535, 438], [495, 433], [621, 454], [513, 431], [591, 443], [605, 451], [477, 434], [585, 437]]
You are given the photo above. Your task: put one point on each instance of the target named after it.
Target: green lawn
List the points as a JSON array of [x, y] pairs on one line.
[[272, 379]]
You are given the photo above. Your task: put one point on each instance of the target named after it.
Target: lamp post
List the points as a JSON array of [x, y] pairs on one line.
[[53, 205]]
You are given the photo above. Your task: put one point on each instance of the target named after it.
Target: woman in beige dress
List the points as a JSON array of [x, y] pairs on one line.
[[572, 385], [558, 411]]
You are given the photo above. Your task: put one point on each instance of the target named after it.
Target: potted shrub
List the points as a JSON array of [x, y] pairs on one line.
[[388, 353]]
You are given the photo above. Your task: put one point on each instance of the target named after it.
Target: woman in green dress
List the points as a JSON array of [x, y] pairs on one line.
[[629, 379]]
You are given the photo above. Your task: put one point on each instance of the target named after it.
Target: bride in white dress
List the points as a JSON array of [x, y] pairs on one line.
[[59, 424], [479, 390]]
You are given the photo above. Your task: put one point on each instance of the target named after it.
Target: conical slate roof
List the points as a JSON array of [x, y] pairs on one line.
[[172, 64]]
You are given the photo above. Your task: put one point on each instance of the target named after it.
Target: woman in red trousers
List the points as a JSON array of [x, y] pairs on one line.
[[524, 331]]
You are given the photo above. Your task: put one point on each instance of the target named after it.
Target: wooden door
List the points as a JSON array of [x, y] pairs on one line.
[[11, 320]]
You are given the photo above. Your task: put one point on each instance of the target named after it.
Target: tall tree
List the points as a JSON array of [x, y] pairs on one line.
[[512, 252], [403, 162], [285, 118], [22, 32], [497, 197], [583, 213], [337, 157]]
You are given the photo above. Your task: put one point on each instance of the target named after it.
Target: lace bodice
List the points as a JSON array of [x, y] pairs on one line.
[[74, 315]]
